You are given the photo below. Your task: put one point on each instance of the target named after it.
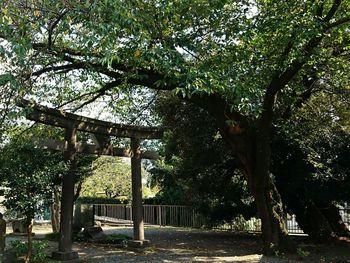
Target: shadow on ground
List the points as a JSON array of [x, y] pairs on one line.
[[170, 245]]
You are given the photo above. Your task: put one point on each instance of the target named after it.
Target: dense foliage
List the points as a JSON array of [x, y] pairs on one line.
[[198, 168], [311, 163], [29, 174]]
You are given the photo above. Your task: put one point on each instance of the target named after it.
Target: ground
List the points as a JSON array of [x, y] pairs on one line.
[[170, 245]]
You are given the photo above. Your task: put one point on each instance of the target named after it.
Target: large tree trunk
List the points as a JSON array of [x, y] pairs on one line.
[[254, 153], [320, 223], [251, 142], [268, 200], [274, 232], [314, 223]]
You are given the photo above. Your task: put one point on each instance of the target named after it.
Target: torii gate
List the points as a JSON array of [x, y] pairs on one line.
[[102, 132]]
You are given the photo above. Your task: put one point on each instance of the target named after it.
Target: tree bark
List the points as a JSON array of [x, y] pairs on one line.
[[55, 212], [253, 149], [268, 200], [251, 143]]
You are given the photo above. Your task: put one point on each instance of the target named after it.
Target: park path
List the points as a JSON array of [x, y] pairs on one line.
[[173, 245]]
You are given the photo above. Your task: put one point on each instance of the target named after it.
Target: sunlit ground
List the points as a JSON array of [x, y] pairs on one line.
[[172, 245]]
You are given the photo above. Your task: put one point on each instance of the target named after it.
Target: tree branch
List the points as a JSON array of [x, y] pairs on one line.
[[66, 67], [338, 22], [281, 80], [219, 109], [99, 93], [145, 107], [332, 10], [131, 75], [309, 84], [52, 26], [319, 10]]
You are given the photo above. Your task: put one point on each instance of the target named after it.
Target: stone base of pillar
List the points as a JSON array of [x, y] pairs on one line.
[[138, 243], [70, 256]]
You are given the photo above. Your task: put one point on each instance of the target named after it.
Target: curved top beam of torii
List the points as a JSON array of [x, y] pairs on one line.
[[68, 120]]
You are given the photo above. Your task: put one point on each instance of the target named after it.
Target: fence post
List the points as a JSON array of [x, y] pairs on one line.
[[160, 215], [93, 214]]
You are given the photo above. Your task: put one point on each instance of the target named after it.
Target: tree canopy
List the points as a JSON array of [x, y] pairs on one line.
[[171, 45]]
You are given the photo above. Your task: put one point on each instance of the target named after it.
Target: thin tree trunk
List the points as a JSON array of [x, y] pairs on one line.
[[30, 240], [55, 212], [53, 219]]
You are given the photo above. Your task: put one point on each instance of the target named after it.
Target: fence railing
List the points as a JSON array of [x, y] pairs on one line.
[[185, 216], [345, 215], [164, 215]]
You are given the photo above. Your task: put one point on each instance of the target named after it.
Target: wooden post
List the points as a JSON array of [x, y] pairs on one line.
[[93, 214], [65, 243], [137, 208]]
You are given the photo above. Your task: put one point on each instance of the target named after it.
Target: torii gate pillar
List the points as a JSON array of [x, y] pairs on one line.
[[65, 251], [137, 207]]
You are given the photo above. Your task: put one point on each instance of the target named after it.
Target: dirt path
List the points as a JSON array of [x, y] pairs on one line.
[[170, 245]]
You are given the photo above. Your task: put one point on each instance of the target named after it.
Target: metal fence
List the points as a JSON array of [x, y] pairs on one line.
[[345, 215], [185, 216], [163, 215]]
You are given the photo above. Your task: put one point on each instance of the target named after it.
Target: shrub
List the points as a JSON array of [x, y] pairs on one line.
[[118, 239], [99, 200], [21, 248]]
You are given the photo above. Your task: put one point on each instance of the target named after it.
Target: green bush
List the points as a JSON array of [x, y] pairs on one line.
[[21, 248], [99, 200], [157, 200]]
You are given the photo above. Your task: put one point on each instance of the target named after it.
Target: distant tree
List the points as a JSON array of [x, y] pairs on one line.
[[25, 135], [110, 177]]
